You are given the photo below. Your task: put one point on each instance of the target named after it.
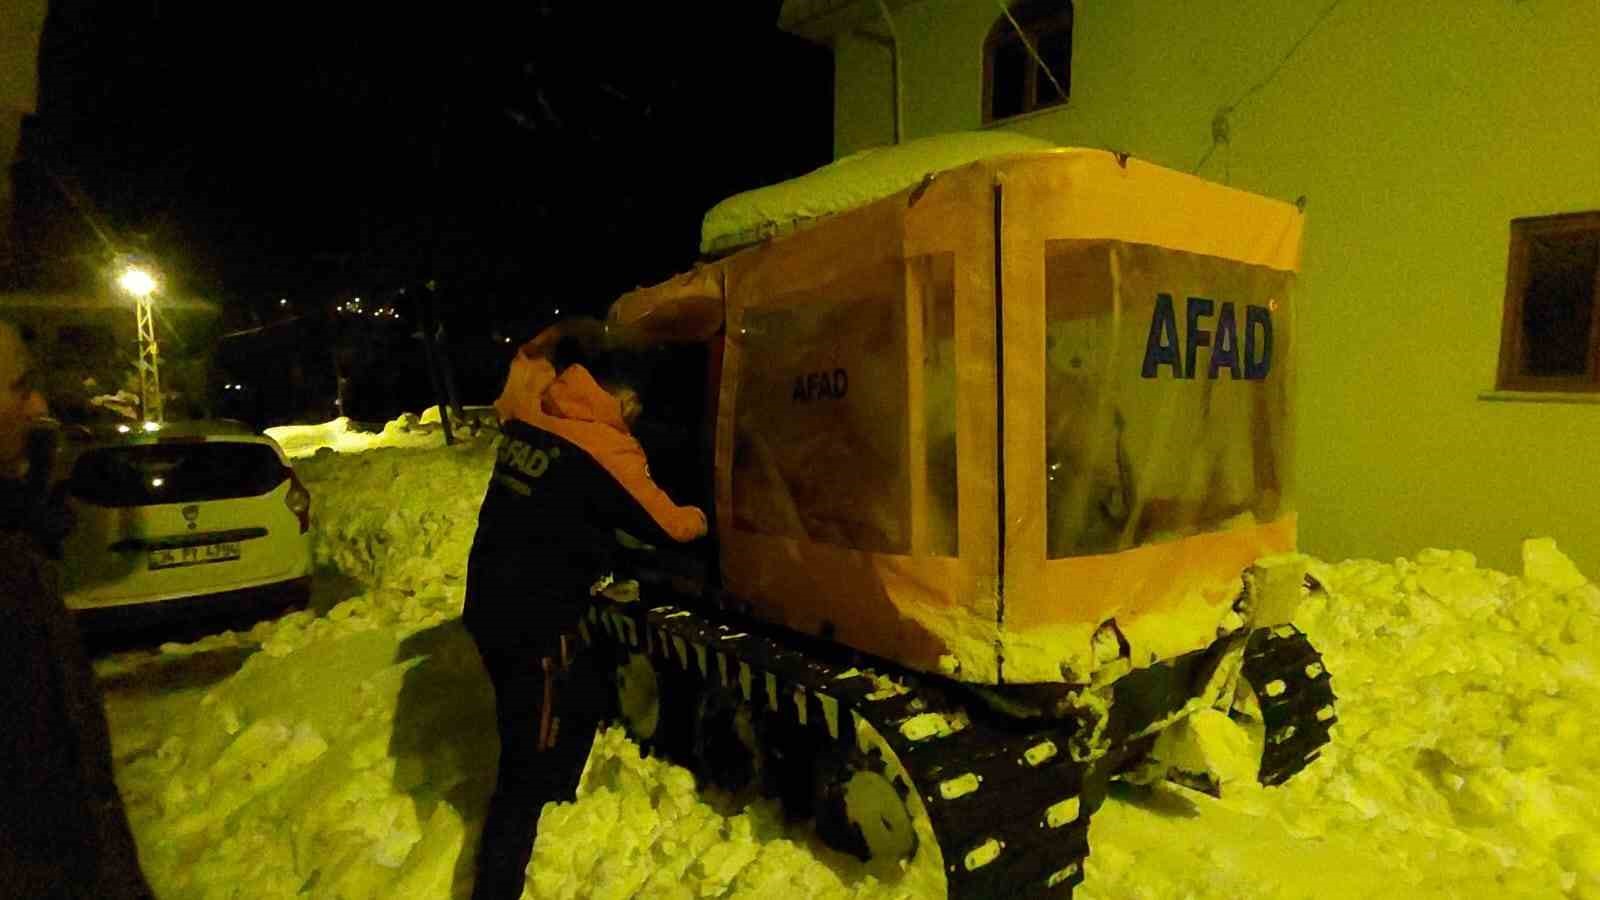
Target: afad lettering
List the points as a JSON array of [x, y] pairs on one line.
[[1251, 362], [528, 460], [821, 386]]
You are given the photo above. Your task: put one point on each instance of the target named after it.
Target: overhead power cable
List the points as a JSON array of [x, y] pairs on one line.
[[1221, 129]]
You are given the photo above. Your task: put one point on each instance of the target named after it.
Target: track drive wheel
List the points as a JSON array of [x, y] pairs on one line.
[[863, 807], [655, 705], [727, 752]]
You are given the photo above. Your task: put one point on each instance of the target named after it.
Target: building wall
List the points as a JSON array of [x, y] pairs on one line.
[[1416, 131], [21, 24], [863, 95]]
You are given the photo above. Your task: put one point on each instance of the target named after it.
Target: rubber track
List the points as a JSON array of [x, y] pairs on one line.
[[1021, 774], [1305, 705]]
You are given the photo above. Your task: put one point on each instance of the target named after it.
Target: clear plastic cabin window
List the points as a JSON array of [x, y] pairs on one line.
[[1167, 395], [845, 413]]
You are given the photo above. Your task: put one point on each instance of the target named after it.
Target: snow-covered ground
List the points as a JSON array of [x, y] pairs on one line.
[[351, 754]]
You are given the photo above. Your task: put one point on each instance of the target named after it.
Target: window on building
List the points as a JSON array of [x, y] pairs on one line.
[[1550, 335], [1014, 81]]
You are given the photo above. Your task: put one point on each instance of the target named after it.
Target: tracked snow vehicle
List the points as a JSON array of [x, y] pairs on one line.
[[1004, 510]]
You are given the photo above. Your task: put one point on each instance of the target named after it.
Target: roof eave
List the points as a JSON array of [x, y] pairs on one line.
[[821, 21]]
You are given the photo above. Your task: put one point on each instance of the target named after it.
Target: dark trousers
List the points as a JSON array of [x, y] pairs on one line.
[[532, 774]]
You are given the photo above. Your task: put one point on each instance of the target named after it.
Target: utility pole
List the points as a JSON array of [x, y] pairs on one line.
[[429, 320], [142, 286], [425, 323], [149, 362]]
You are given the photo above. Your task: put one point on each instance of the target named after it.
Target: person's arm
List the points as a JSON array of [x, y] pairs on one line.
[[633, 502]]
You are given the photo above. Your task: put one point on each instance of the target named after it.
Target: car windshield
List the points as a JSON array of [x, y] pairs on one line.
[[150, 474]]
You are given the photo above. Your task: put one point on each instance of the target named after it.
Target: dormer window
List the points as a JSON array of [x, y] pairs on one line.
[[1031, 68]]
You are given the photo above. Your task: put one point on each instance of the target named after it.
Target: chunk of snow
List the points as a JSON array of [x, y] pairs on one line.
[[1543, 563]]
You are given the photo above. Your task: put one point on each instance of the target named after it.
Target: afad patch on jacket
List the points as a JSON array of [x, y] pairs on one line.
[[518, 456]]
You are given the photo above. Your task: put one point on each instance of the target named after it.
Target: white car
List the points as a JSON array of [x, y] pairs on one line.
[[185, 521]]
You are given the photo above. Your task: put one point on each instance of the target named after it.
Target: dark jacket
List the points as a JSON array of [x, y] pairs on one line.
[[563, 483], [63, 832]]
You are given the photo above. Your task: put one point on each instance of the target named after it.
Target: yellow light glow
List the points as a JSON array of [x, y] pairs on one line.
[[123, 429], [152, 426], [137, 282], [157, 482]]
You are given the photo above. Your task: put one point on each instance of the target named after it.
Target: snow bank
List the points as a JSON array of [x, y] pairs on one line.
[[1459, 767], [408, 430], [640, 829], [352, 756], [299, 441], [1466, 694], [857, 179], [399, 517]]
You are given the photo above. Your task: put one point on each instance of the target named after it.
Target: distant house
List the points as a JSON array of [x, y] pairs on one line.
[[90, 344], [1449, 153]]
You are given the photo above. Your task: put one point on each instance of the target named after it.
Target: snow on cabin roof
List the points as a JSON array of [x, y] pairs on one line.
[[850, 182]]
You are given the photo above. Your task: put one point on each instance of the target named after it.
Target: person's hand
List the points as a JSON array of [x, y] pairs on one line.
[[704, 527]]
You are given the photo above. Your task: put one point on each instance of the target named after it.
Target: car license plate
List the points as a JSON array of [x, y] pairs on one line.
[[178, 557]]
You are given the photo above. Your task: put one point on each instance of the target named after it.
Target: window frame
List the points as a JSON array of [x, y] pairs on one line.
[[1038, 18], [1512, 339]]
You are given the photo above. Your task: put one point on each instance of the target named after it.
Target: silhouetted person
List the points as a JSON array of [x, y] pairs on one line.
[[63, 833]]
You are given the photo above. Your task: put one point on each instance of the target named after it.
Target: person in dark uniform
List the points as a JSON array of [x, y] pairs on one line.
[[63, 832], [568, 474]]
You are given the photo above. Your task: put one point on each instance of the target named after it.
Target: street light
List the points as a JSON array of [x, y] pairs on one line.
[[138, 282], [142, 286]]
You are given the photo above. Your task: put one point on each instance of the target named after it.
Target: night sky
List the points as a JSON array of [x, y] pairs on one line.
[[540, 155]]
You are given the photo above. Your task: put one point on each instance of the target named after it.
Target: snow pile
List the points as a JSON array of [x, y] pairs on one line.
[[299, 441], [1459, 767], [855, 180], [352, 757], [400, 518], [358, 766], [125, 404], [640, 829], [1461, 755], [286, 779]]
